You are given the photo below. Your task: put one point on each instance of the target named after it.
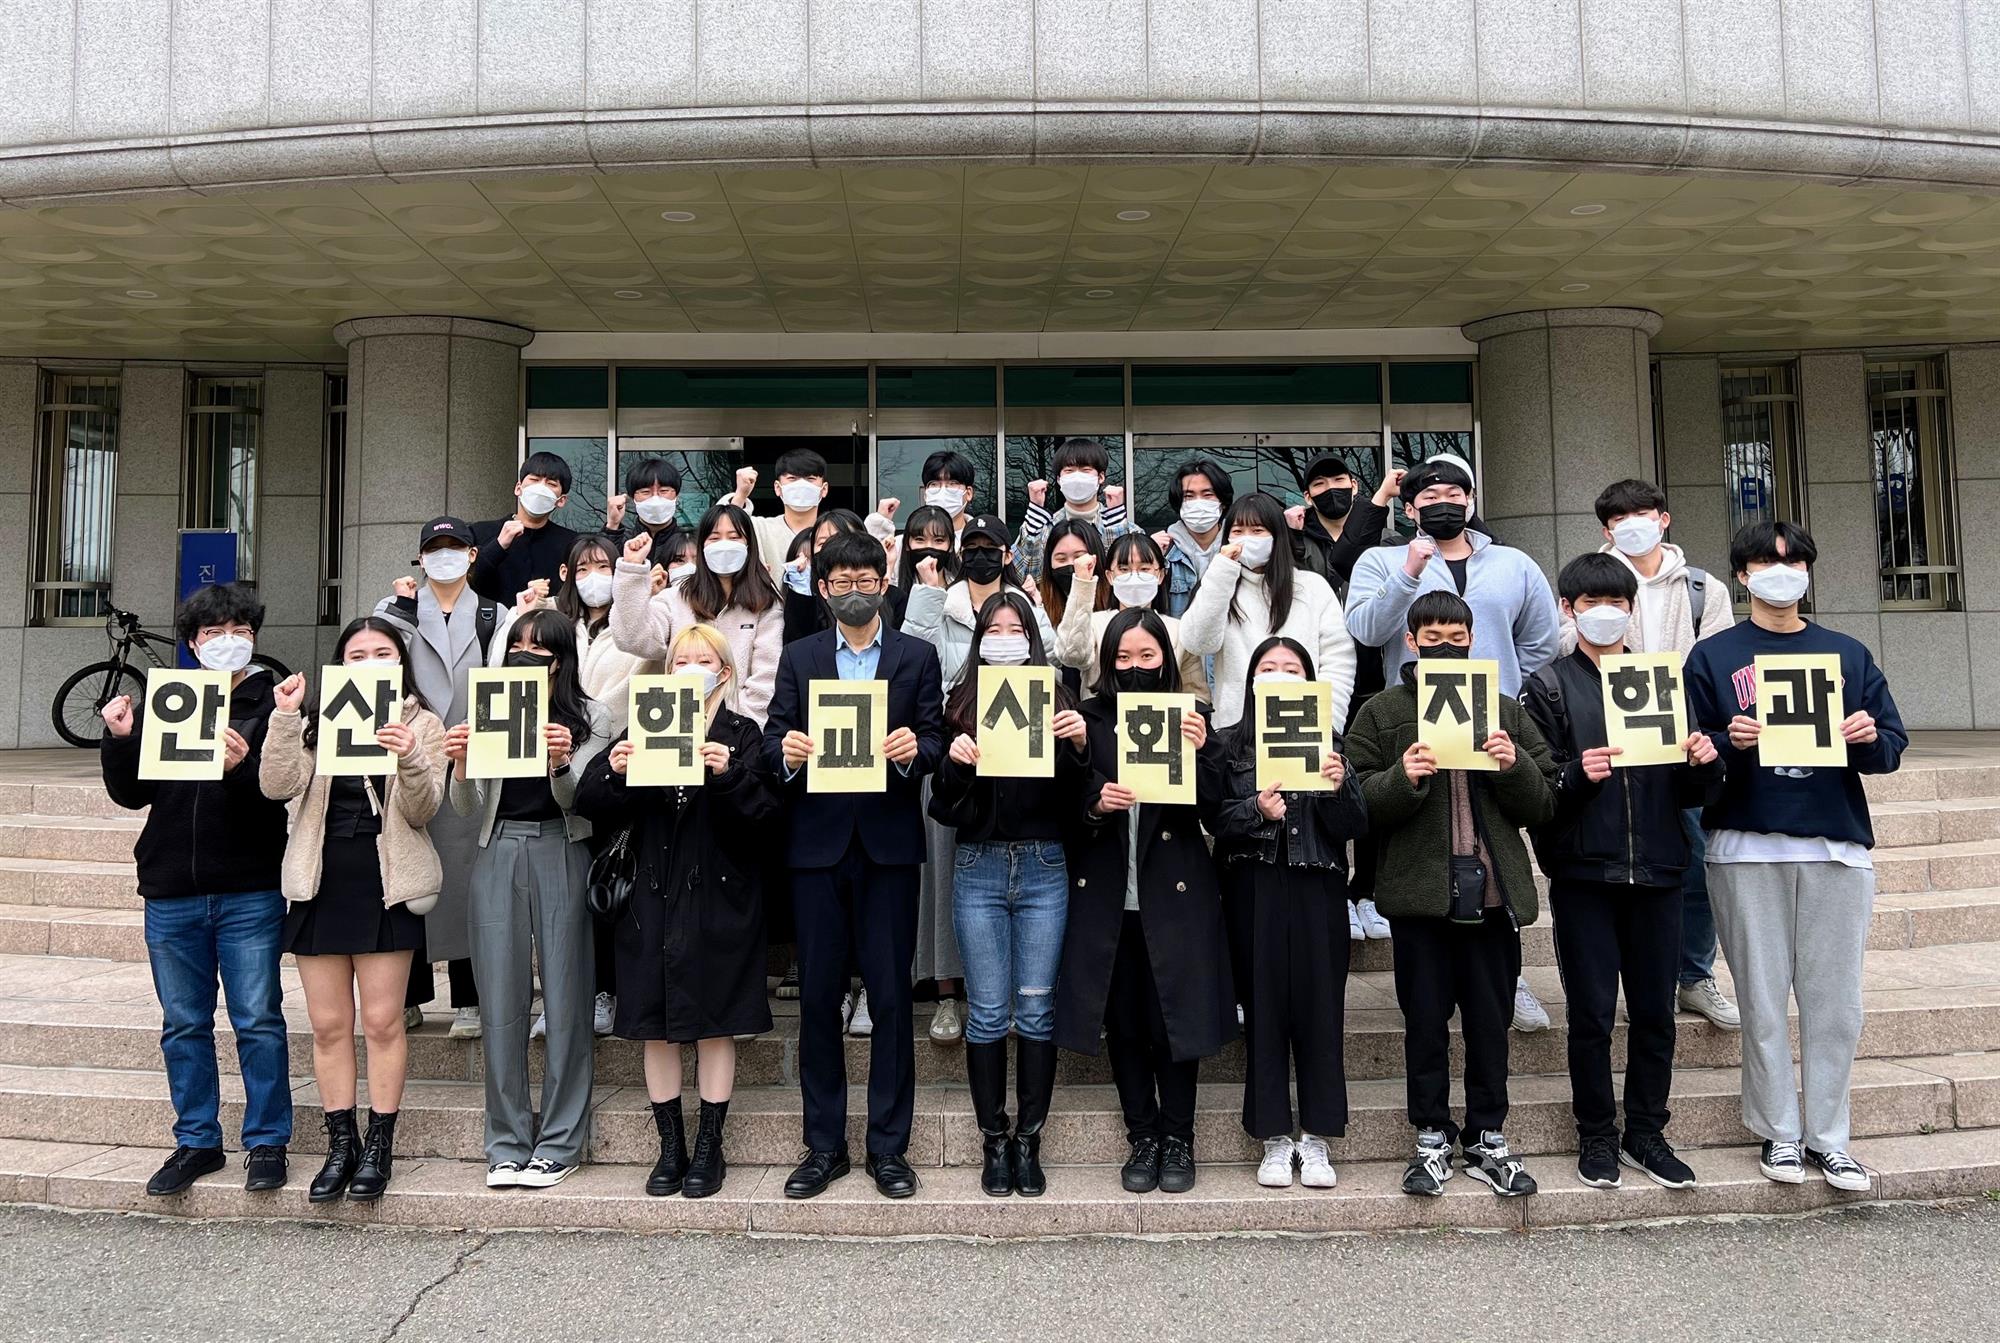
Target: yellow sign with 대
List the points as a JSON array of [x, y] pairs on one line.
[[1799, 702], [848, 722], [354, 704], [181, 737], [1294, 721], [669, 722], [1155, 760], [1645, 715], [509, 711], [1458, 708], [1017, 712]]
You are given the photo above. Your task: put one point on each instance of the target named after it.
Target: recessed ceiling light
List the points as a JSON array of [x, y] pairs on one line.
[[140, 293], [627, 293], [1574, 288], [1588, 209], [1097, 293], [678, 216], [1135, 216]]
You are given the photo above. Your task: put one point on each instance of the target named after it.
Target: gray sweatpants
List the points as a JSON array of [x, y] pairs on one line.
[[1796, 930], [526, 895]]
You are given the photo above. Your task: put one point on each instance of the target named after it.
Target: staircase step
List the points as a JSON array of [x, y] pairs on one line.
[[1936, 821], [86, 838], [73, 883]]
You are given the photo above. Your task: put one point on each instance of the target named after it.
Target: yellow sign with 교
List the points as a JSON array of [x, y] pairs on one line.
[[1645, 715], [1155, 759], [354, 704], [669, 722], [1294, 722], [1458, 708], [848, 721], [509, 711], [181, 734], [1799, 702], [1016, 714]]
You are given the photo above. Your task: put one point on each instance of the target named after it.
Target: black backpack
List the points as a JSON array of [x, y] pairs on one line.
[[1545, 684]]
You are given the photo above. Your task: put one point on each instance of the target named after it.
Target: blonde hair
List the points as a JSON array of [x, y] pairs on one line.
[[710, 638]]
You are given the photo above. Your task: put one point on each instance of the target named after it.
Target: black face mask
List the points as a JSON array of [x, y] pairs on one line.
[[1333, 505], [523, 658], [982, 565], [1138, 679], [1060, 580], [1441, 522], [1444, 651]]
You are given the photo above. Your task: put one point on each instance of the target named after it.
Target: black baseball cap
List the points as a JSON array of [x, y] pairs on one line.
[[1328, 464], [438, 529], [987, 526]]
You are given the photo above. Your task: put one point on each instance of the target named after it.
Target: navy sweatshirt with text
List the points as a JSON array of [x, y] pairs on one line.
[[1821, 803]]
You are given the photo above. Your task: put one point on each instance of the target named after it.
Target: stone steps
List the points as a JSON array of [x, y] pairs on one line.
[[1082, 1200]]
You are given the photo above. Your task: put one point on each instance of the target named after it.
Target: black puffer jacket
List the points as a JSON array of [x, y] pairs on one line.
[[1625, 831]]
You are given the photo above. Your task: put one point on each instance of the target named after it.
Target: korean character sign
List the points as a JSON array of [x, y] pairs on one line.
[[509, 711], [1458, 708], [848, 721], [1017, 710], [187, 713], [1645, 715], [1799, 702], [669, 722], [1294, 721], [1155, 759], [356, 703]]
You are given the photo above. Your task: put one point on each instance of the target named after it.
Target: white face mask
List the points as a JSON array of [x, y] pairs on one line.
[[1004, 650], [1603, 626], [799, 495], [656, 510], [539, 499], [1135, 589], [1201, 515], [1256, 551], [1636, 535], [1276, 678], [680, 573], [1779, 585], [951, 498], [226, 653], [710, 678], [726, 557], [1077, 486], [799, 581], [594, 589], [446, 564]]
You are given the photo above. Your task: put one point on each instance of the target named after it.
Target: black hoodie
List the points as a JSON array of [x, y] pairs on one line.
[[220, 838]]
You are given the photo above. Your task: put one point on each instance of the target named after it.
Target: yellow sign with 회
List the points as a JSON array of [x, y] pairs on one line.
[[1155, 759], [1458, 708], [1016, 715], [1645, 715], [1799, 702], [181, 737], [509, 711], [848, 721], [669, 722], [354, 704], [1294, 721]]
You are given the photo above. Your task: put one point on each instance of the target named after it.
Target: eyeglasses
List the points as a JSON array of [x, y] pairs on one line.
[[840, 587]]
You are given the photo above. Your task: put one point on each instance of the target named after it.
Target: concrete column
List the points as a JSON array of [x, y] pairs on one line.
[[1691, 460], [288, 507], [20, 399], [432, 427], [1565, 408]]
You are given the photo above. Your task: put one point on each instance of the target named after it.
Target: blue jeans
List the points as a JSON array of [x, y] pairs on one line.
[[1010, 901], [1697, 919], [192, 941]]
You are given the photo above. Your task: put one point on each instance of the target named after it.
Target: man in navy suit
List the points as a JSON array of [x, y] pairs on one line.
[[855, 861]]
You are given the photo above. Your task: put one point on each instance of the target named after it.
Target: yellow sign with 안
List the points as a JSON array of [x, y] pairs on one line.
[[1645, 715], [187, 713], [1017, 712], [1294, 722], [848, 721], [1799, 702], [509, 711], [354, 704], [1458, 708], [1155, 759], [669, 722]]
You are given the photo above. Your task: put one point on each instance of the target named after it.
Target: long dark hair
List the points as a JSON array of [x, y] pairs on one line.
[[567, 601], [928, 521], [1130, 551], [751, 588], [844, 521], [1054, 599], [310, 729], [1131, 618], [1243, 735], [568, 704], [1261, 508], [961, 707]]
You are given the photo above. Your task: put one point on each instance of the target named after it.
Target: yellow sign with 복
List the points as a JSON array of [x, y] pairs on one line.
[[1294, 721]]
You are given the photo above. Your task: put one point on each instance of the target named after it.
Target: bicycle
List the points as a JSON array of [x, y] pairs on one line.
[[79, 704]]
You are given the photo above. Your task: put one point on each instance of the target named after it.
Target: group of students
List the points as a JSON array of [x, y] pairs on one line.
[[1074, 915]]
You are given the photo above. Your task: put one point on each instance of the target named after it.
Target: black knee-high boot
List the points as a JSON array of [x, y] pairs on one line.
[[986, 1070], [1034, 1083]]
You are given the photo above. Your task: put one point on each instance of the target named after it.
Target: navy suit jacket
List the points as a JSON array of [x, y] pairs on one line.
[[891, 824]]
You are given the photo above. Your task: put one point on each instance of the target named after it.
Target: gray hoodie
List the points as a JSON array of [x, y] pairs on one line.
[[1514, 618]]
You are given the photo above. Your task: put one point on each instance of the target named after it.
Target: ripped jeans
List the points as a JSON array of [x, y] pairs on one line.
[[1010, 900]]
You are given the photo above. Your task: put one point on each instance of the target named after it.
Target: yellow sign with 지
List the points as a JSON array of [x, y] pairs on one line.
[[1294, 722], [1155, 759], [509, 710], [848, 722], [1458, 708], [1645, 715], [1799, 702], [354, 704], [1017, 711], [181, 737]]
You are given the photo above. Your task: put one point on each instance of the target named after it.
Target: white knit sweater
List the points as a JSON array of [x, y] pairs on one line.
[[1231, 614]]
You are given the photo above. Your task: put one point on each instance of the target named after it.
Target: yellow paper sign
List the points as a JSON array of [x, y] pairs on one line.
[[1458, 708], [1017, 710], [1645, 714], [509, 709], [1294, 722], [354, 703], [1154, 759], [186, 714], [1799, 702], [848, 722], [669, 722]]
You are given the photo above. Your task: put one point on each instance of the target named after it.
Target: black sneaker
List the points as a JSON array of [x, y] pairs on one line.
[[1780, 1161], [183, 1168], [1841, 1170], [1142, 1169], [788, 987], [1176, 1166], [1650, 1153], [1597, 1162], [1489, 1162], [264, 1169], [1430, 1167]]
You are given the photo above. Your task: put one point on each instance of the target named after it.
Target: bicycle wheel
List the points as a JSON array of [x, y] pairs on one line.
[[86, 692], [279, 671]]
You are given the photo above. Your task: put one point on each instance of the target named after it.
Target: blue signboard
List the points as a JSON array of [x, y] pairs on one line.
[[206, 557], [1750, 494]]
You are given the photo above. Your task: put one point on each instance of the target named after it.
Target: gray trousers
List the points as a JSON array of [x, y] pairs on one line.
[[1796, 930], [526, 896]]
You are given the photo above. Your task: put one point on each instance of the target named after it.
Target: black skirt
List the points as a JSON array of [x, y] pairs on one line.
[[347, 917]]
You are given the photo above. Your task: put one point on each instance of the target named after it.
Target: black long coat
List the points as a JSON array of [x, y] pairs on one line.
[[690, 946], [1180, 908]]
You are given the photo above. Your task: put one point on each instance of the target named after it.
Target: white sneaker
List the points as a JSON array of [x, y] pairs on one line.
[[540, 1029], [1529, 1014], [1315, 1166], [413, 1019], [1372, 922], [465, 1024], [503, 1174], [1355, 932], [600, 1015], [846, 1010], [1705, 998], [1275, 1171], [947, 1027], [1841, 1170], [861, 1025]]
